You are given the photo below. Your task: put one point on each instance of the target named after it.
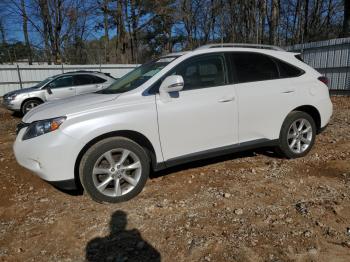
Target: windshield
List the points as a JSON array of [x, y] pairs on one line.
[[40, 84], [138, 76]]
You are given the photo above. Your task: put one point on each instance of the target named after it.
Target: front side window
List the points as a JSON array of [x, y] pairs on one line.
[[250, 67], [63, 81], [202, 72]]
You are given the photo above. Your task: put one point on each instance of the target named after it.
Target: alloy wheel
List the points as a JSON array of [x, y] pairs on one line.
[[116, 172], [300, 135], [30, 106]]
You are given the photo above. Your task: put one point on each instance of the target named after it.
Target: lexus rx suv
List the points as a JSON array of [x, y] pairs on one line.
[[56, 87], [181, 107]]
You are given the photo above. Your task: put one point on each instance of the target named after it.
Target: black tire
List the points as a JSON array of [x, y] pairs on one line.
[[30, 104], [284, 148], [95, 152]]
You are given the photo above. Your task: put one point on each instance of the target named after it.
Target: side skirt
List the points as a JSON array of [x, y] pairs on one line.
[[216, 152]]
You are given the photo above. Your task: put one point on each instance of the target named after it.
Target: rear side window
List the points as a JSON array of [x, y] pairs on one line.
[[287, 70], [87, 79], [82, 80], [251, 67]]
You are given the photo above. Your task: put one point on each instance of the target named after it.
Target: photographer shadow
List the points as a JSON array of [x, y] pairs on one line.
[[121, 244]]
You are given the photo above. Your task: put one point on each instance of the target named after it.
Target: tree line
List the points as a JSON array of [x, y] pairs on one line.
[[132, 31]]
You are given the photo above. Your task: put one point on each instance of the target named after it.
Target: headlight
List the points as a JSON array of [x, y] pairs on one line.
[[11, 97], [41, 127]]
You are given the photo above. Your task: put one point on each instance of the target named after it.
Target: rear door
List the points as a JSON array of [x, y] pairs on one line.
[[265, 95], [61, 87], [86, 83]]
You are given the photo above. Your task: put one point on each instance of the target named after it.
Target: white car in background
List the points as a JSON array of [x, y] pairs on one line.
[[182, 107], [56, 87]]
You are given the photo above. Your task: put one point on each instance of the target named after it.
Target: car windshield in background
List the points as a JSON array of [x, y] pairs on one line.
[[38, 85], [138, 76]]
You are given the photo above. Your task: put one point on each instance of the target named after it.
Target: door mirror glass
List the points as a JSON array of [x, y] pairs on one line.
[[48, 88], [173, 83]]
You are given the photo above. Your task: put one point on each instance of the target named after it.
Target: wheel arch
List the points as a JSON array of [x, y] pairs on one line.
[[132, 135], [313, 112], [31, 98]]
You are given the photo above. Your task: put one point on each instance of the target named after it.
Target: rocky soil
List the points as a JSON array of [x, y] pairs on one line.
[[251, 206]]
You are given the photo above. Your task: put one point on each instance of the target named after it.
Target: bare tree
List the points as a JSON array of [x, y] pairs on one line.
[[106, 28], [273, 21], [2, 31], [25, 32], [346, 20]]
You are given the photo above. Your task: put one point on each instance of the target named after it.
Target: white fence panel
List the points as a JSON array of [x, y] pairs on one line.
[[331, 58], [11, 76]]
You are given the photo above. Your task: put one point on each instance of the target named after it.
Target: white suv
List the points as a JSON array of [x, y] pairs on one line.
[[56, 87], [181, 107]]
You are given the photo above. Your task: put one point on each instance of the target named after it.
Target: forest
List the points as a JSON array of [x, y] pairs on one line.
[[133, 31]]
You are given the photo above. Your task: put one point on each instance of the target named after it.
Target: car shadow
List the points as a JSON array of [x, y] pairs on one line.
[[17, 114], [266, 151], [121, 244]]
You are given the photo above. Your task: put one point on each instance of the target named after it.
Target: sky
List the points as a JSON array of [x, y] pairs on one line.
[[12, 21]]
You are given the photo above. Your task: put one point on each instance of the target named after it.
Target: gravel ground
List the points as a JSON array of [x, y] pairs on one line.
[[251, 206]]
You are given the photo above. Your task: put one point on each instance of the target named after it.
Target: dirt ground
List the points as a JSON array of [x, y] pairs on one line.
[[251, 206]]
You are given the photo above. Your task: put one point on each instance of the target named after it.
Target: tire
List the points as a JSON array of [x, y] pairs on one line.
[[30, 104], [304, 138], [111, 162]]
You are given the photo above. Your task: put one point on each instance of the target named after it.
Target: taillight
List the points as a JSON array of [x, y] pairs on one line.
[[324, 80]]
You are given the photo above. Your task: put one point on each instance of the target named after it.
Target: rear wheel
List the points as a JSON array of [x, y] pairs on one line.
[[114, 170], [29, 105], [297, 135]]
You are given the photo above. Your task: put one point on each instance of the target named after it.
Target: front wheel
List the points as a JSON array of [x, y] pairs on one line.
[[297, 135], [29, 105], [114, 170]]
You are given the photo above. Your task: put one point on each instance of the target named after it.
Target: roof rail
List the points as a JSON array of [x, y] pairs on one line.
[[81, 71], [270, 47]]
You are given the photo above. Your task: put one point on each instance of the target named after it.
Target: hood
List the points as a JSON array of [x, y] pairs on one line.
[[67, 106], [21, 91]]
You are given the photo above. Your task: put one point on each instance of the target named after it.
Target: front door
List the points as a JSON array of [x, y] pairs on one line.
[[61, 87], [203, 116]]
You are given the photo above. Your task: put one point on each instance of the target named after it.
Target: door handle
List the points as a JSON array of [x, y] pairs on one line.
[[227, 99], [71, 88], [289, 91]]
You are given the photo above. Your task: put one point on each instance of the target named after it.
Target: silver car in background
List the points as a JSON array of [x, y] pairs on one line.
[[56, 87]]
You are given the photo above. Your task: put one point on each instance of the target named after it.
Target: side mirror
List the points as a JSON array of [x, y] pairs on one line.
[[173, 83], [48, 89]]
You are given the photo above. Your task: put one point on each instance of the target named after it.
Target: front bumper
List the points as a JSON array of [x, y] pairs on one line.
[[51, 156], [11, 105]]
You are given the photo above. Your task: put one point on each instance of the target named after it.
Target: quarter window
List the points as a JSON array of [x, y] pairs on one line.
[[287, 70], [97, 80], [250, 67]]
